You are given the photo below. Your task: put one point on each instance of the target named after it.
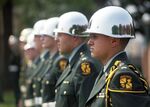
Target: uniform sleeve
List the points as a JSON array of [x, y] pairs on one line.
[[127, 89], [84, 81]]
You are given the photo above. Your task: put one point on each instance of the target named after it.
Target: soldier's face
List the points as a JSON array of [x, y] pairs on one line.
[[38, 42], [22, 44], [30, 53], [47, 42], [64, 43], [99, 46]]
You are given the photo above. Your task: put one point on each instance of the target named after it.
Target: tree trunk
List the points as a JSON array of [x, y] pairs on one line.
[[7, 31]]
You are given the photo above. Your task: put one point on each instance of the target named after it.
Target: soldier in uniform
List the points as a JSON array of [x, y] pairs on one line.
[[50, 78], [31, 54], [71, 41], [119, 84], [37, 77], [36, 38], [40, 70], [24, 61], [14, 67]]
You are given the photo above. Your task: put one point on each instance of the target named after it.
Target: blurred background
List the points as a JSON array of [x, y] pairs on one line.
[[16, 15]]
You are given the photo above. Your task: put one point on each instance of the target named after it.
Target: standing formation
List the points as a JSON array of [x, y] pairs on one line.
[[70, 62]]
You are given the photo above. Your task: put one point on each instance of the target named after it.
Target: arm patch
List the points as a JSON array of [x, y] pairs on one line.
[[126, 82], [63, 64], [86, 68]]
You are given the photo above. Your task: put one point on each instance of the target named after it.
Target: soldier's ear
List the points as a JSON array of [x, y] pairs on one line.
[[114, 42]]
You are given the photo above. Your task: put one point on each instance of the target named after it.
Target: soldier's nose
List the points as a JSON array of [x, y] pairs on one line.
[[90, 42]]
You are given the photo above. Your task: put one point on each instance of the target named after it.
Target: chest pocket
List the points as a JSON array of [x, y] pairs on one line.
[[67, 89]]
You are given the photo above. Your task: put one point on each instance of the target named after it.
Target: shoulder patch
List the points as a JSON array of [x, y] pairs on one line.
[[126, 82], [85, 68], [63, 64]]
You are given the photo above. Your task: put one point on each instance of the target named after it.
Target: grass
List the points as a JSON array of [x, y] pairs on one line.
[[9, 100]]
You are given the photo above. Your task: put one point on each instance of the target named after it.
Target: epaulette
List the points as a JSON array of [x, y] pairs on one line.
[[136, 71], [82, 56]]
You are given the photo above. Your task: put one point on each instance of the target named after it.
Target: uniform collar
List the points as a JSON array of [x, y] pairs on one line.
[[76, 53], [53, 54], [119, 56], [75, 50], [44, 55], [37, 60]]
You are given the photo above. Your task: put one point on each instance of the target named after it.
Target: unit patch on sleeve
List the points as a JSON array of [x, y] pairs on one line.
[[126, 82], [86, 69], [63, 64]]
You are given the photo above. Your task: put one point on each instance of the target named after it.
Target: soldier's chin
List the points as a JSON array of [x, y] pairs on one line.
[[92, 54], [59, 50]]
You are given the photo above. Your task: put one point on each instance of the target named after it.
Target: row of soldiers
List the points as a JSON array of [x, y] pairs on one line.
[[76, 63], [43, 56]]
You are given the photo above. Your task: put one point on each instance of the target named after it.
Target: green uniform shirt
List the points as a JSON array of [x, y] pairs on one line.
[[40, 71], [31, 72], [68, 87], [119, 86], [51, 77]]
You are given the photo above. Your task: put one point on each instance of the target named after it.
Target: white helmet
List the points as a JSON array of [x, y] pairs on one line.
[[38, 27], [72, 23], [112, 21], [24, 34], [12, 40], [30, 42], [49, 26]]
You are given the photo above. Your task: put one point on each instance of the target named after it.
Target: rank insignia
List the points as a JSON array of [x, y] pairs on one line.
[[126, 82], [85, 67], [63, 64]]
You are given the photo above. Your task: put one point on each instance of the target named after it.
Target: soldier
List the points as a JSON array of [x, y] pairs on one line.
[[32, 55], [36, 35], [44, 55], [120, 83], [24, 61], [72, 42], [14, 67], [56, 63]]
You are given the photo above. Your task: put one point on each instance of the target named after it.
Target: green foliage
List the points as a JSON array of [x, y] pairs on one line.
[[31, 11], [2, 3], [9, 100]]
